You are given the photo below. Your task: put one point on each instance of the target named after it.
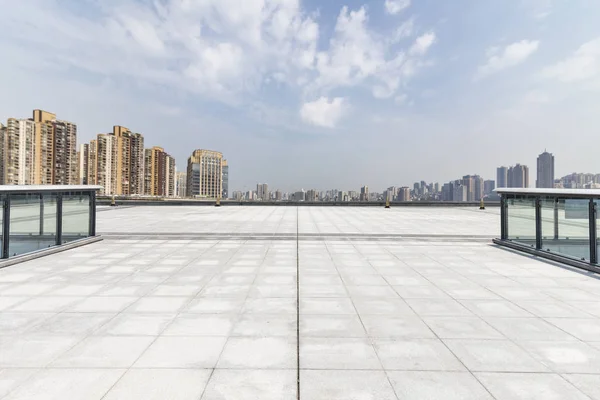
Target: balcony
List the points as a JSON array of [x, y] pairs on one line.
[[41, 217], [286, 303]]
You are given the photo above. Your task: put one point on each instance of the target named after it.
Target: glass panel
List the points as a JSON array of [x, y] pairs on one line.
[[598, 229], [48, 227], [76, 216], [1, 224], [521, 220], [569, 233], [25, 225]]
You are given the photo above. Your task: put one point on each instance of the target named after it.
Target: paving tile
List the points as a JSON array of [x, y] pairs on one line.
[[565, 357], [462, 328], [495, 308], [387, 326], [136, 324], [433, 385], [416, 354], [255, 384], [337, 306], [201, 325], [587, 383], [98, 304], [159, 384], [105, 352], [71, 323], [270, 306], [26, 351], [337, 353], [438, 307], [583, 329], [528, 329], [10, 379], [493, 355], [514, 386], [345, 385], [331, 326], [158, 305], [67, 383], [214, 306], [261, 325], [182, 352], [262, 353], [383, 306]]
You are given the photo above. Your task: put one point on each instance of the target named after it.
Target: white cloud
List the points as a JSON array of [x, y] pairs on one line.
[[323, 111], [512, 55], [422, 44], [396, 6], [584, 64], [405, 30]]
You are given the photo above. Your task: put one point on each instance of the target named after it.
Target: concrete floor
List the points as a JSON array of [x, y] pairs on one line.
[[419, 316]]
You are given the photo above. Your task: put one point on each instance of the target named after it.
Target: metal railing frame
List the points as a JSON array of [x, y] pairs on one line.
[[58, 192], [592, 198]]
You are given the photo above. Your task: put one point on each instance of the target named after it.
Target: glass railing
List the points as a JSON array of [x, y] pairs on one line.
[[38, 217], [561, 224]]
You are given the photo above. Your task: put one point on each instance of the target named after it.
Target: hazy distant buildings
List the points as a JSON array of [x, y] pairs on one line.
[[518, 176], [262, 191], [312, 195], [205, 174], [225, 179], [404, 194], [180, 185], [364, 193], [460, 193], [488, 187], [545, 171], [502, 177]]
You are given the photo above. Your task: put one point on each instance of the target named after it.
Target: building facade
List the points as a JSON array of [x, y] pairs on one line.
[[262, 191], [205, 174], [159, 173], [181, 179], [404, 193], [545, 171], [19, 152], [82, 164], [502, 177], [518, 176], [488, 187], [2, 152], [225, 194]]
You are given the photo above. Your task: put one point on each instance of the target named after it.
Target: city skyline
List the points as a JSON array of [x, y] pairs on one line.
[[435, 89]]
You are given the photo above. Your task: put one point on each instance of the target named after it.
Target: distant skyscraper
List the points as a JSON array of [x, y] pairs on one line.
[[460, 193], [502, 177], [404, 193], [278, 195], [181, 180], [518, 176], [545, 170], [488, 187], [82, 164], [159, 173], [225, 194], [2, 159], [205, 174], [19, 157], [262, 191], [364, 193]]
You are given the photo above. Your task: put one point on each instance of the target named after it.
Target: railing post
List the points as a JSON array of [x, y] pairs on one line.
[[593, 233], [538, 223], [556, 219], [93, 213], [6, 226], [41, 214], [59, 218], [503, 218]]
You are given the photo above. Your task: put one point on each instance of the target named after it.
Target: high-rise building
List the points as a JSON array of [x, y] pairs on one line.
[[364, 193], [92, 163], [2, 151], [262, 191], [278, 196], [392, 192], [502, 177], [312, 195], [460, 193], [404, 194], [19, 153], [82, 164], [137, 169], [479, 188], [488, 187], [106, 163], [55, 150], [205, 174], [518, 176], [159, 173], [180, 177], [545, 170], [225, 194]]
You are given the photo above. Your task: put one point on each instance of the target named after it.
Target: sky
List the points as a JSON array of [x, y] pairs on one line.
[[318, 94]]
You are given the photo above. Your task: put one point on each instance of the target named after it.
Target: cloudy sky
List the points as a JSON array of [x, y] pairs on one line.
[[318, 94]]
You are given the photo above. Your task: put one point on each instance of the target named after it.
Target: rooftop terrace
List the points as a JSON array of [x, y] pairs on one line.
[[277, 303]]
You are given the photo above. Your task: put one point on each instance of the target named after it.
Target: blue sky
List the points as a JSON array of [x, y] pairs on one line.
[[318, 94]]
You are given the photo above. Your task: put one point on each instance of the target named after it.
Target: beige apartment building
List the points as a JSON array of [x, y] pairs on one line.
[[92, 162], [2, 151], [159, 173], [19, 140], [205, 174]]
